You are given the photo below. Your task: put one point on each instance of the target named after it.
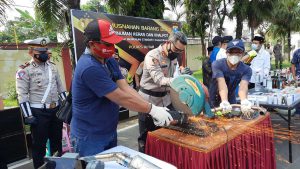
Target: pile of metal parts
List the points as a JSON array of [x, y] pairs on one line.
[[72, 160], [188, 99]]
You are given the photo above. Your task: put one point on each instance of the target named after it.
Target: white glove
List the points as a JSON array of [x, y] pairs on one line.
[[226, 107], [160, 115], [246, 107]]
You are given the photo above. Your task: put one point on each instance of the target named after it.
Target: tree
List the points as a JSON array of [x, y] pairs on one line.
[[198, 18], [285, 17], [175, 6], [221, 11], [240, 12], [53, 12], [4, 4], [94, 5], [257, 13], [25, 27], [138, 8], [56, 13]]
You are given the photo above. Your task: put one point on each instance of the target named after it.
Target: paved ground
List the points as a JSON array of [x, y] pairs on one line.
[[128, 133]]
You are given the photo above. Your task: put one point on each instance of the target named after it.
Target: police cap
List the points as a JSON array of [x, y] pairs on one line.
[[38, 44]]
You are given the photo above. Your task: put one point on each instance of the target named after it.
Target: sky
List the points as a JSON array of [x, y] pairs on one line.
[[28, 5]]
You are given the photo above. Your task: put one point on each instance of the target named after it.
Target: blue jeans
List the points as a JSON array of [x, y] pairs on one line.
[[92, 146]]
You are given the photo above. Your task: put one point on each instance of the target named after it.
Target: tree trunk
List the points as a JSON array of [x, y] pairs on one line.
[[289, 45], [252, 32], [203, 45], [239, 26]]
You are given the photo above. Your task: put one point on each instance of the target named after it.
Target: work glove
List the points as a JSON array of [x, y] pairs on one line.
[[252, 53], [246, 108], [186, 71], [160, 115], [226, 107], [31, 120]]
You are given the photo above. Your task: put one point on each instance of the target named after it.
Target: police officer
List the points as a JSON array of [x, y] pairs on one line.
[[159, 66], [39, 88]]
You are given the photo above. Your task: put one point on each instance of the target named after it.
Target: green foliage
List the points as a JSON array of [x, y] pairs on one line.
[[186, 29], [94, 5], [138, 8], [11, 90], [174, 5], [198, 18], [10, 103], [25, 27], [198, 75], [4, 4], [200, 58]]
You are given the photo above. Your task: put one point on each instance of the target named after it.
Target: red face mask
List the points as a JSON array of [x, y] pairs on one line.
[[103, 50]]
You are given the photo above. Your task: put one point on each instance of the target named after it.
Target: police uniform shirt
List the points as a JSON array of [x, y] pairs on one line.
[[32, 81], [157, 76]]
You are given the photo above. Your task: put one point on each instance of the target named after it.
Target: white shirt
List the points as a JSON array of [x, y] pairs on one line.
[[221, 54], [261, 64]]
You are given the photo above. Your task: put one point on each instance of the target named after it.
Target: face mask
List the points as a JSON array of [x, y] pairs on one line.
[[234, 59], [104, 51], [43, 57], [172, 55]]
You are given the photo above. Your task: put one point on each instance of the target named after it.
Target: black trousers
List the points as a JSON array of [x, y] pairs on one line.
[[48, 127], [280, 63], [146, 124]]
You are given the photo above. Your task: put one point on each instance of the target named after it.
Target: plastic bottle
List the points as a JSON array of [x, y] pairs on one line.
[[265, 77], [269, 83], [257, 82]]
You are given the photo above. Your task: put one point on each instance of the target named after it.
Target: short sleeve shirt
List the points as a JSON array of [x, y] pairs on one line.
[[94, 115], [296, 61], [232, 78]]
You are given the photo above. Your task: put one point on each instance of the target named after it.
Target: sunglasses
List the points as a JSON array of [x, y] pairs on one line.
[[177, 50]]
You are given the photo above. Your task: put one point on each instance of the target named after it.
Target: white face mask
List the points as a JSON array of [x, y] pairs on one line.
[[234, 59]]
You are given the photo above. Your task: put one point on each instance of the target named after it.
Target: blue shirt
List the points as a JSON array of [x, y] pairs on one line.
[[232, 79], [296, 61], [213, 55], [93, 114]]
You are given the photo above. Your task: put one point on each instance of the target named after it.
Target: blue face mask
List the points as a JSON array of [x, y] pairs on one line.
[[253, 46], [43, 57]]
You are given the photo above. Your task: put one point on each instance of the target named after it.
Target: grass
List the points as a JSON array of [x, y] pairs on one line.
[[285, 64], [10, 103], [198, 75]]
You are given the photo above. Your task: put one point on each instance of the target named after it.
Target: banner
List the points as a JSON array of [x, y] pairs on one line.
[[140, 35]]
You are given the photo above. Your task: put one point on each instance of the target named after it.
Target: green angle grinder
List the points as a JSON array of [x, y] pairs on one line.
[[188, 96]]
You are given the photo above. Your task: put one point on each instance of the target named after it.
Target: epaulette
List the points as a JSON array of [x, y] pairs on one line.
[[26, 64]]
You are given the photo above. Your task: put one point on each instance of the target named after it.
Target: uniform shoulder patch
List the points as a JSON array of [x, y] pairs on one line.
[[23, 66], [20, 74]]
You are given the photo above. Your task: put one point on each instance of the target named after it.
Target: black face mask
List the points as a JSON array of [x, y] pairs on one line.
[[43, 57], [172, 55]]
